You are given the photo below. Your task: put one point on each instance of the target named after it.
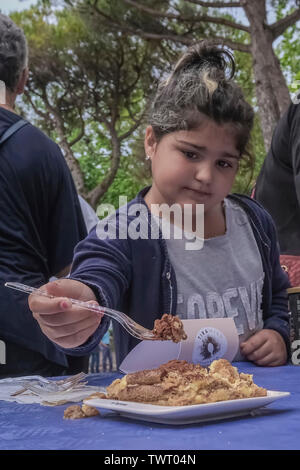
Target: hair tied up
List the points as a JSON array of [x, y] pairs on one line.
[[200, 87], [207, 56]]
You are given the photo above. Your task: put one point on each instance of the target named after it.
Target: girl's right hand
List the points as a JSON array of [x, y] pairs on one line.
[[62, 322]]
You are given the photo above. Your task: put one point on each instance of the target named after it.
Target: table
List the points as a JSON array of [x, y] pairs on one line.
[[276, 426]]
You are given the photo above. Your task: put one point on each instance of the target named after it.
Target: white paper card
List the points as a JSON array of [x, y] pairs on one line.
[[207, 340]]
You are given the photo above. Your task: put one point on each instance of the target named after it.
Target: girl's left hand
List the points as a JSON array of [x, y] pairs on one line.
[[265, 348]]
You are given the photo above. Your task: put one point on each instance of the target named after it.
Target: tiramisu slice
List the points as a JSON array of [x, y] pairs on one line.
[[169, 327]]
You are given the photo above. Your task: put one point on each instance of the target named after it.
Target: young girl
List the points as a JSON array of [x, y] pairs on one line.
[[199, 131]]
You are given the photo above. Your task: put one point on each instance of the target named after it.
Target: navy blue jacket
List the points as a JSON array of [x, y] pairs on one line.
[[136, 277], [278, 183], [40, 224]]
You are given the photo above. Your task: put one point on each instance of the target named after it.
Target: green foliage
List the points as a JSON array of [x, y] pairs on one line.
[[289, 52], [288, 49], [93, 152], [82, 72], [95, 71], [124, 184], [249, 168]]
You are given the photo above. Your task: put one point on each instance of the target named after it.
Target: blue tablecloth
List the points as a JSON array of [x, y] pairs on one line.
[[277, 426]]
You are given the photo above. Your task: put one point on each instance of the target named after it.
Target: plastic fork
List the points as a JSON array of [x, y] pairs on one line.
[[42, 385], [128, 324]]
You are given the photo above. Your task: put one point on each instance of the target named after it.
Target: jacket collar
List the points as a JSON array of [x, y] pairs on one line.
[[252, 208]]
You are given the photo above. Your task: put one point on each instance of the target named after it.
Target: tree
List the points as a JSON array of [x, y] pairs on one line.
[[82, 63], [85, 87], [182, 22]]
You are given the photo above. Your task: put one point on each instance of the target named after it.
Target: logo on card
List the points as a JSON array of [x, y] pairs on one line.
[[210, 344]]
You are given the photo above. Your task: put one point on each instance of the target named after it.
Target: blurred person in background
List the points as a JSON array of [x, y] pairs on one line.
[[278, 183], [278, 188], [95, 360], [90, 217], [106, 352], [41, 221]]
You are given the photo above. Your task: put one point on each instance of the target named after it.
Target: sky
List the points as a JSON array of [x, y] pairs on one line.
[[7, 6]]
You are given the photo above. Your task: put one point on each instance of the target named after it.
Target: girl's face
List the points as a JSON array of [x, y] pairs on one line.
[[193, 167]]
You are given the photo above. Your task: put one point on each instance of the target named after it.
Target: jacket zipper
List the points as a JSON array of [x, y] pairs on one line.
[[168, 276]]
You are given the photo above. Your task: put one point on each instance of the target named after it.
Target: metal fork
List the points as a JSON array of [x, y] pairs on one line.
[[128, 324]]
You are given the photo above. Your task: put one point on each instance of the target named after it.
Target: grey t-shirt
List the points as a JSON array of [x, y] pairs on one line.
[[224, 278]]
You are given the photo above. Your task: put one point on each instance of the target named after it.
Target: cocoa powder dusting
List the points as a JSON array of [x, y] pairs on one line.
[[169, 327]]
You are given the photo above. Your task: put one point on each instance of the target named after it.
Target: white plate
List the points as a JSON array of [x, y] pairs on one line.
[[186, 414]]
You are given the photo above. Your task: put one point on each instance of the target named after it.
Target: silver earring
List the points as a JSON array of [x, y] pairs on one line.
[[147, 157]]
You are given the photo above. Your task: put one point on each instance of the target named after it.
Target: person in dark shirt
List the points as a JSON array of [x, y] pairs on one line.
[[278, 184], [40, 223], [106, 352], [95, 360]]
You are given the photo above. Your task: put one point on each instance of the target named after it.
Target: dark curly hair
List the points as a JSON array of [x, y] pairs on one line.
[[200, 85]]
